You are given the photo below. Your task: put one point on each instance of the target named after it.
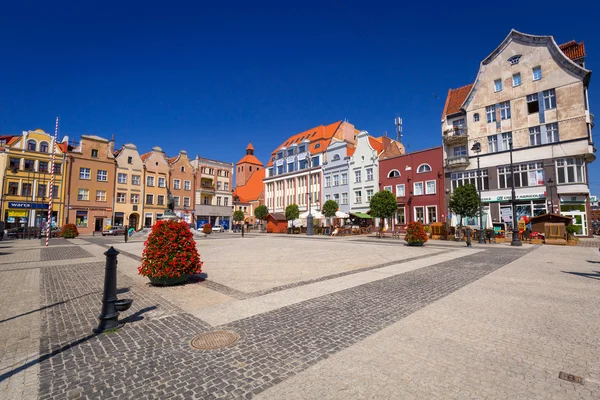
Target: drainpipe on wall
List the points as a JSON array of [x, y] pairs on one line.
[[115, 195], [69, 160]]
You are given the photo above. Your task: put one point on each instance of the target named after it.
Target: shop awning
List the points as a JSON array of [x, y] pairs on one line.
[[361, 215]]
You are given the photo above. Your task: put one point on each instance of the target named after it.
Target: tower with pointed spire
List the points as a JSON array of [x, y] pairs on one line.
[[246, 166]]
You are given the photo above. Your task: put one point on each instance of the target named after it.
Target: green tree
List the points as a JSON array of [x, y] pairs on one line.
[[383, 205], [261, 213], [464, 202], [329, 209], [291, 213], [238, 216]]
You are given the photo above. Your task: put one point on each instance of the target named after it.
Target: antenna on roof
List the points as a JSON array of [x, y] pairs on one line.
[[398, 123]]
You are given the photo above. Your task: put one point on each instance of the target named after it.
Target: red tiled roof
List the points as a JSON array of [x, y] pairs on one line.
[[252, 189], [455, 99], [376, 144], [172, 159], [13, 140], [250, 147], [64, 147], [250, 159], [145, 156], [573, 50], [320, 135], [350, 150]]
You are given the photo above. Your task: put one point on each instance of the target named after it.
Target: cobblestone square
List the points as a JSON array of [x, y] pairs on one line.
[[347, 319]]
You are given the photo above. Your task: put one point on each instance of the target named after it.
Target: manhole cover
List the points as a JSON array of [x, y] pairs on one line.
[[214, 340]]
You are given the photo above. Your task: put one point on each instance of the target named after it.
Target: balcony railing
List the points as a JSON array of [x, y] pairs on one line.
[[457, 161], [210, 188], [455, 135]]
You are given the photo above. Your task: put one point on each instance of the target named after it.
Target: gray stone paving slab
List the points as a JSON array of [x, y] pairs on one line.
[[151, 358]]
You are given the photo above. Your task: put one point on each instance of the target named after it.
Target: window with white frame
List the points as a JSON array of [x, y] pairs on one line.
[[418, 188], [369, 174], [357, 176], [369, 195], [549, 99], [161, 182], [505, 110], [460, 151], [135, 198], [336, 180], [149, 181], [176, 201], [476, 117], [160, 200], [327, 197], [388, 188], [526, 174], [84, 173], [121, 197], [149, 199], [470, 178], [570, 170], [430, 187], [122, 178], [535, 136], [490, 113], [336, 197], [136, 180], [176, 184], [532, 103], [506, 140], [225, 185], [226, 201], [358, 196], [420, 214], [102, 176], [498, 85], [344, 198], [537, 73], [186, 201], [552, 132], [344, 178], [431, 214], [327, 181], [83, 194], [187, 185], [100, 195], [393, 173], [516, 79], [400, 190], [423, 168], [492, 144], [400, 216]]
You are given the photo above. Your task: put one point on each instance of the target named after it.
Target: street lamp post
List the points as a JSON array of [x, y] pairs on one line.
[[309, 219], [551, 188], [515, 238], [477, 149]]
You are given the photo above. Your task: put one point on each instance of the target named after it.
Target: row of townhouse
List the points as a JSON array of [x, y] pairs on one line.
[[97, 186]]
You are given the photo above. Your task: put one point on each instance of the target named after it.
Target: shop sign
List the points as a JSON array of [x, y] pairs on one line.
[[572, 199], [508, 197], [17, 213], [27, 205], [506, 214]]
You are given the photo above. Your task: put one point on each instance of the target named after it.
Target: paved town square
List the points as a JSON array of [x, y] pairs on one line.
[[315, 318]]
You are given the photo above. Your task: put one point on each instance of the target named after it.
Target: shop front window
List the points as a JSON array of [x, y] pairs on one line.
[[81, 219]]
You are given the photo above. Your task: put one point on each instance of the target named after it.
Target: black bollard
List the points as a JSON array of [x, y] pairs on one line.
[[126, 232], [242, 230], [468, 233], [109, 317]]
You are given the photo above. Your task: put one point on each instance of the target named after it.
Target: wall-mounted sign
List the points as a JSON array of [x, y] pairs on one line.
[[572, 199], [17, 213], [508, 197], [27, 205]]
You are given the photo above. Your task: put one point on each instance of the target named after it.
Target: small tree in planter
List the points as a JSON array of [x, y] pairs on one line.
[[261, 213], [329, 209], [170, 255], [291, 213], [69, 231], [415, 234], [383, 206], [572, 230], [238, 216]]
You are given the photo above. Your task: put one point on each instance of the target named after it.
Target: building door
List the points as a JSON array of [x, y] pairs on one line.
[[98, 225], [579, 220], [133, 221]]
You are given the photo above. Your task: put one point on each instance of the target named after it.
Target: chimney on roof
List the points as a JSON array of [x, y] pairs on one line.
[[398, 123]]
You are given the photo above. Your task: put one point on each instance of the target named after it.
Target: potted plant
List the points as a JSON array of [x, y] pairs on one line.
[[69, 231], [207, 228], [415, 234], [572, 240], [170, 255], [536, 238]]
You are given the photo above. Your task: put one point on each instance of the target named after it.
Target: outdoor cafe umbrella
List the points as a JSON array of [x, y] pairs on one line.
[[341, 215], [315, 214]]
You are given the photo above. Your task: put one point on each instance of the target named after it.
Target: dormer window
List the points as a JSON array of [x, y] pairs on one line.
[[301, 148], [280, 154], [514, 60], [290, 151]]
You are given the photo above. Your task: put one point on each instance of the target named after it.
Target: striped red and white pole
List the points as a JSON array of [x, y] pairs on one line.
[[49, 220]]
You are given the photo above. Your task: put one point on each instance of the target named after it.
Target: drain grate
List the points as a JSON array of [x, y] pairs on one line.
[[570, 377], [214, 340]]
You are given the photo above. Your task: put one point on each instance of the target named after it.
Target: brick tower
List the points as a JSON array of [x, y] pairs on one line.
[[246, 166]]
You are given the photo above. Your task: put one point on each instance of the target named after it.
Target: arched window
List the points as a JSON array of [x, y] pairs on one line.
[[182, 168], [476, 117], [31, 145], [423, 168], [44, 147], [394, 173], [336, 157]]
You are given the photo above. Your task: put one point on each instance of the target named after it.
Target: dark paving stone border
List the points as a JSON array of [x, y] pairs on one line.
[[63, 253]]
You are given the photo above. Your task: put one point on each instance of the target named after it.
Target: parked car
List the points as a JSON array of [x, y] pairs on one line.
[[114, 231], [218, 228]]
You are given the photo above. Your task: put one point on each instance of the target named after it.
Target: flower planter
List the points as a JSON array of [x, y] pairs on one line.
[[499, 240], [416, 243], [169, 281], [537, 241], [572, 242]]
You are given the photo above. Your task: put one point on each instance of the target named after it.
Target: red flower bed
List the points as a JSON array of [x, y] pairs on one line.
[[415, 233], [170, 251], [69, 231]]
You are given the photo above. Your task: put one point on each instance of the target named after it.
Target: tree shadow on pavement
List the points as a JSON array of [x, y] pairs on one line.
[[591, 275], [134, 317]]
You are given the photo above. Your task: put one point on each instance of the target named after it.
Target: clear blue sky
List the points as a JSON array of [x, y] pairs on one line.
[[210, 77]]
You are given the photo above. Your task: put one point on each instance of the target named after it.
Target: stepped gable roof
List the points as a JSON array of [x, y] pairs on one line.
[[145, 156], [455, 99], [573, 50], [253, 188], [319, 138]]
